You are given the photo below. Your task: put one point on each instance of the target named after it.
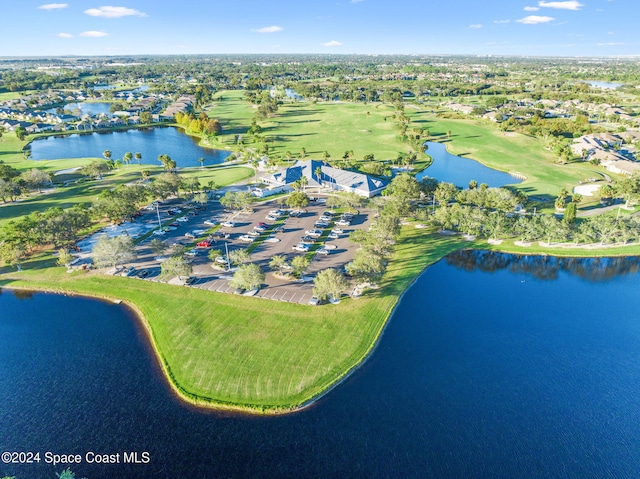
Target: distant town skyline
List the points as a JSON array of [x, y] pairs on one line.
[[518, 27]]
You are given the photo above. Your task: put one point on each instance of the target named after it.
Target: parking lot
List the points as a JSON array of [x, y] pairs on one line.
[[291, 229]]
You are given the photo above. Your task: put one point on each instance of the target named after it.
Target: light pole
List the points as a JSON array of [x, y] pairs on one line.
[[226, 248], [158, 213]]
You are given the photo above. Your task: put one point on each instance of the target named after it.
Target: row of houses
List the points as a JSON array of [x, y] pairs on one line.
[[184, 104], [605, 148]]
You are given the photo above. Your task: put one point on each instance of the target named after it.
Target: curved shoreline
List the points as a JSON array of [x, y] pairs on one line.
[[207, 403]]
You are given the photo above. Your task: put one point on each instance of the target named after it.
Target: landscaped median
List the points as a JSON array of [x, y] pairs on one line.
[[238, 353]]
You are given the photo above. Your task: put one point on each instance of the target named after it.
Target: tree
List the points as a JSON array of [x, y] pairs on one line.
[[240, 256], [201, 161], [138, 156], [21, 133], [248, 276], [146, 117], [329, 283], [107, 154], [445, 192], [157, 246], [299, 264], [11, 254], [95, 169], [36, 179], [278, 263], [214, 253], [64, 257], [166, 184], [298, 199], [113, 251], [176, 266], [629, 189], [127, 158], [570, 213]]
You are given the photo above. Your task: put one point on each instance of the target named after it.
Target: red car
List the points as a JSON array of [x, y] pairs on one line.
[[204, 244]]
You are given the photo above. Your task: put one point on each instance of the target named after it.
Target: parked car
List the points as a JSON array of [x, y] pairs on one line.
[[308, 239], [276, 213], [313, 233], [271, 218], [228, 224], [211, 222], [302, 247], [182, 219], [175, 224], [159, 232], [190, 280], [314, 301], [191, 253], [322, 251], [222, 260], [337, 231], [143, 273], [343, 223], [333, 236], [326, 219], [260, 228], [247, 238], [128, 271], [321, 224], [222, 234], [204, 244], [254, 233], [190, 234]]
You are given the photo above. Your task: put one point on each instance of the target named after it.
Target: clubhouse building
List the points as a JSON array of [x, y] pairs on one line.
[[320, 175]]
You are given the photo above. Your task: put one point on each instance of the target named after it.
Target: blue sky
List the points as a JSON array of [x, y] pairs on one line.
[[499, 27]]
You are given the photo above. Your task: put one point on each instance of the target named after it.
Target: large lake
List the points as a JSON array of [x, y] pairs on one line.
[[460, 171], [492, 366], [151, 142]]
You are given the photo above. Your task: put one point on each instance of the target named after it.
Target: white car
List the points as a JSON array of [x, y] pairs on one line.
[[271, 218], [254, 233], [275, 213], [337, 231], [314, 301], [210, 222], [159, 232], [222, 260], [323, 251], [313, 233], [191, 253], [182, 219], [228, 224], [326, 219], [303, 248], [247, 238], [330, 247], [321, 224], [190, 234], [333, 236], [343, 223]]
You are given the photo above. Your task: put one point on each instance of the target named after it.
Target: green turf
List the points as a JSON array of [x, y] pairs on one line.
[[252, 353]]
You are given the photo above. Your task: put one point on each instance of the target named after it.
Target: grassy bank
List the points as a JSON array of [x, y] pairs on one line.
[[225, 351]]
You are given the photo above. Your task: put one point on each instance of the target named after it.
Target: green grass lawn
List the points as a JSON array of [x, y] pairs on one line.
[[249, 353], [325, 126], [510, 152]]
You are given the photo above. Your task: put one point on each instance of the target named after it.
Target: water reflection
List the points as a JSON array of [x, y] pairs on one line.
[[545, 267]]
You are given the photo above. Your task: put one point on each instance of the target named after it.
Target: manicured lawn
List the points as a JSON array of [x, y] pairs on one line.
[[252, 353], [510, 152], [325, 126]]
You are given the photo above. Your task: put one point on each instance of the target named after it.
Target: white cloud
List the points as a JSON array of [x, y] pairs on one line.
[[531, 9], [64, 35], [114, 12], [94, 34], [568, 5], [610, 44], [476, 25], [501, 21], [535, 19], [53, 6], [271, 29], [356, 1], [332, 43]]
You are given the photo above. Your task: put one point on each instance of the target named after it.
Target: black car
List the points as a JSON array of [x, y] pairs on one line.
[[143, 273]]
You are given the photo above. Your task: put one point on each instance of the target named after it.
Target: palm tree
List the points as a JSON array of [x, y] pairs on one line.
[[201, 161], [127, 158], [138, 156], [107, 154], [318, 173]]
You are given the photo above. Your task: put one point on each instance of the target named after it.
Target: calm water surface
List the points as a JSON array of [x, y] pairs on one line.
[[459, 171], [151, 142], [86, 108], [492, 366]]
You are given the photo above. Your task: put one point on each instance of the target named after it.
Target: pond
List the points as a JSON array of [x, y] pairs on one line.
[[493, 365], [151, 142], [86, 108], [460, 171], [605, 85]]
